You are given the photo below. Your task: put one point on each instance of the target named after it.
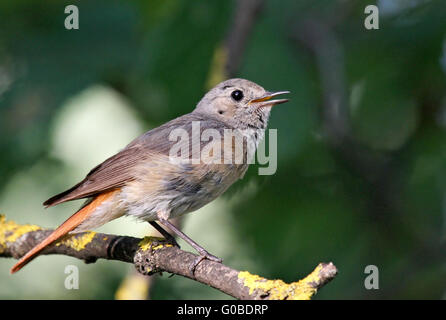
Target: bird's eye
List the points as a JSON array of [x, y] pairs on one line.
[[237, 95]]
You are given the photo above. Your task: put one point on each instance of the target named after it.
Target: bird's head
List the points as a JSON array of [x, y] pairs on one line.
[[240, 103]]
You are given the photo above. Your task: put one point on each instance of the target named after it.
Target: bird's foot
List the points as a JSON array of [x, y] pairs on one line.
[[204, 255]]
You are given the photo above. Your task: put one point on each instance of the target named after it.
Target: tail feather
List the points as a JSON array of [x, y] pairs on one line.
[[61, 197], [69, 225]]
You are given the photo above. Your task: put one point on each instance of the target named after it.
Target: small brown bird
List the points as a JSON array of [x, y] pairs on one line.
[[148, 180]]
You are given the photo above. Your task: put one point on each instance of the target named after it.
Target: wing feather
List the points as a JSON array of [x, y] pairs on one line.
[[116, 171], [110, 174]]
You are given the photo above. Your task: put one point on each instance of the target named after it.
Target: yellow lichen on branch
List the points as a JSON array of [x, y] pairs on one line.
[[279, 290], [153, 243], [11, 231], [149, 257], [77, 242]]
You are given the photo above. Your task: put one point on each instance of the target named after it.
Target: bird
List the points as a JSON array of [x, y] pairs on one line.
[[163, 173]]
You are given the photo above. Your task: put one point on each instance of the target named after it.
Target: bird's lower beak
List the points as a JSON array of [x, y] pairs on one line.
[[266, 99]]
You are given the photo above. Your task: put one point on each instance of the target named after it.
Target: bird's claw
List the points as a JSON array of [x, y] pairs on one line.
[[203, 256]]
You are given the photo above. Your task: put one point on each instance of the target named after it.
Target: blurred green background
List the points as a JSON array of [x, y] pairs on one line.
[[361, 177]]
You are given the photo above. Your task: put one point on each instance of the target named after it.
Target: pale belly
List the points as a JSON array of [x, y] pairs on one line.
[[174, 194], [166, 189]]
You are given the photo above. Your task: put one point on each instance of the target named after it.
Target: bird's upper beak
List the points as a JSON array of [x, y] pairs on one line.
[[266, 99]]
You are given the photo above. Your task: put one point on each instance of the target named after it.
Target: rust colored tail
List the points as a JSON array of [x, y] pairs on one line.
[[69, 225]]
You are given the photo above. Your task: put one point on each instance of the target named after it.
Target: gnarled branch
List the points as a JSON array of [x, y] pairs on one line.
[[151, 255]]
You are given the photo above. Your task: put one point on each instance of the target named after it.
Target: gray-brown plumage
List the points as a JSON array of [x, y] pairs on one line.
[[149, 181]]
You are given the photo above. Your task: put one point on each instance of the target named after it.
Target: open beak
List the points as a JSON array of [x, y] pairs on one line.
[[266, 99]]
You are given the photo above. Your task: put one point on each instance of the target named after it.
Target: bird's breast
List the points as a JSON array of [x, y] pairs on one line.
[[175, 188]]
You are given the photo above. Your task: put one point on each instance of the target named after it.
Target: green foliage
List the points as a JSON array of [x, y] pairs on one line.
[[318, 206]]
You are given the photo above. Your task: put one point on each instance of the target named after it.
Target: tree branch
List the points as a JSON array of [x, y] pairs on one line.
[[243, 20], [228, 55], [151, 255]]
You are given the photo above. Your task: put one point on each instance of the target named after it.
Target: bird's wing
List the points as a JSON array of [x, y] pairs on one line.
[[116, 171], [111, 174]]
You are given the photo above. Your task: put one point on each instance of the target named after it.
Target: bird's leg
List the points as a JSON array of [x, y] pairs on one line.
[[164, 233], [203, 253]]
